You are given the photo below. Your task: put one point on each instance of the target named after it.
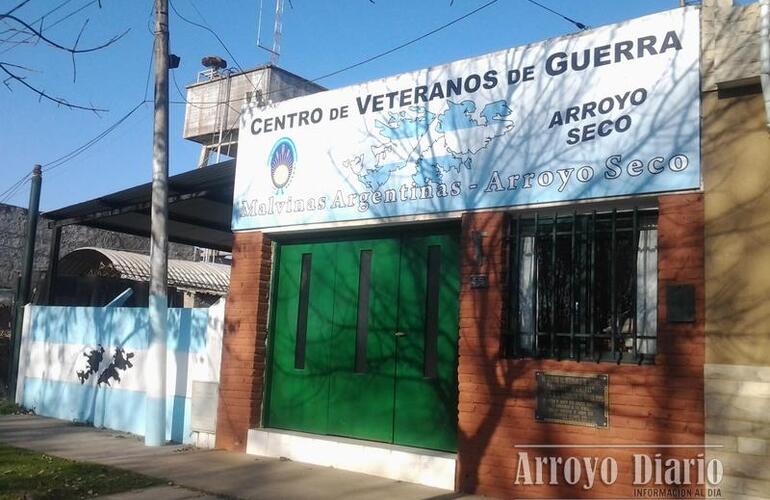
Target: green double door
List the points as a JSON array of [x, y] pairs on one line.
[[364, 340]]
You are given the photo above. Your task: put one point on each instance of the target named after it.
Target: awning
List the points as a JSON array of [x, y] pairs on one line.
[[182, 274], [200, 208]]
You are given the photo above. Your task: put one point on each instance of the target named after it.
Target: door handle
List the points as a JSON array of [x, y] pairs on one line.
[[400, 334]]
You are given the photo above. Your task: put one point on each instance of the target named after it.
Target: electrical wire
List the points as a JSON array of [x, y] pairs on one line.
[[579, 25], [222, 42], [211, 30], [365, 61], [64, 159], [76, 152], [205, 26], [152, 54], [16, 191], [11, 191], [406, 44], [230, 132], [149, 70], [13, 186], [185, 101]]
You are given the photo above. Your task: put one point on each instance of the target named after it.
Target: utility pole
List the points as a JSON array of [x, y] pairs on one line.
[[25, 284], [155, 371]]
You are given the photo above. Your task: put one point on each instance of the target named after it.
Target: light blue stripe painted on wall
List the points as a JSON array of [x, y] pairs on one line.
[[117, 326], [111, 408]]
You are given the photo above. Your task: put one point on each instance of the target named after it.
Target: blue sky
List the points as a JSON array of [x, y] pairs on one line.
[[319, 36]]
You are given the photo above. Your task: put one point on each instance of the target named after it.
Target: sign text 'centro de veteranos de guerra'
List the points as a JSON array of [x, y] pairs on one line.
[[609, 112]]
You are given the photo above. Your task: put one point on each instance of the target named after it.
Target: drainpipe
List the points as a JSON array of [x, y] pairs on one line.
[[764, 51]]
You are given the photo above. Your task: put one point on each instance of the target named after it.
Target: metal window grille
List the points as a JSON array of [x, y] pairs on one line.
[[583, 286]]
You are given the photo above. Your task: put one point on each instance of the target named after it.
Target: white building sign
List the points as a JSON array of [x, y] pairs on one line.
[[609, 112]]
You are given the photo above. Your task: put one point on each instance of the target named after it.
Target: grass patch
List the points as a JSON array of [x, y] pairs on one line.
[[8, 408], [27, 474]]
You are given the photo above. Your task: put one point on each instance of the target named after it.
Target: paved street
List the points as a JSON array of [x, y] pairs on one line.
[[202, 474]]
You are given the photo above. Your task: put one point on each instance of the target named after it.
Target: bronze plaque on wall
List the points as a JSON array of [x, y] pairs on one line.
[[572, 399]]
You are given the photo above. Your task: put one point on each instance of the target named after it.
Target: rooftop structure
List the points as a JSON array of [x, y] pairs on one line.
[[215, 100]]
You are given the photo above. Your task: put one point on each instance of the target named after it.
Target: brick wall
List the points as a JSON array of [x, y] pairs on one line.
[[651, 404], [243, 345]]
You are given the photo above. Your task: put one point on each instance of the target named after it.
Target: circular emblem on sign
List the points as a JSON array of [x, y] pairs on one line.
[[282, 160]]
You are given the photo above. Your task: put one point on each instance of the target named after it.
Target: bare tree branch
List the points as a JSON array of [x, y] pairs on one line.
[[18, 31], [10, 40], [38, 34], [18, 66], [17, 7], [77, 41], [15, 31], [46, 16], [50, 42], [42, 95]]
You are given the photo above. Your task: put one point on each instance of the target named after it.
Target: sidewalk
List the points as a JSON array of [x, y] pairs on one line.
[[216, 472]]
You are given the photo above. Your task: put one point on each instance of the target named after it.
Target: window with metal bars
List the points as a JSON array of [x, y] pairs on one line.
[[584, 286]]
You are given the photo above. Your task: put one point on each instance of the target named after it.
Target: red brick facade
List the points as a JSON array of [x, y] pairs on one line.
[[243, 346], [649, 404]]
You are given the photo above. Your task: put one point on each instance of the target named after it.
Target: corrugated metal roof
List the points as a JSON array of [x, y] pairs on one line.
[[200, 208], [199, 276]]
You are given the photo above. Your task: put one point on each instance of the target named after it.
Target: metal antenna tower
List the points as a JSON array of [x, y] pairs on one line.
[[275, 52]]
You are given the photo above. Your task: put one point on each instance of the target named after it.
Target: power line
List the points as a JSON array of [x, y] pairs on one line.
[[76, 152], [406, 44], [205, 26], [16, 190], [387, 52], [368, 59], [579, 25], [14, 185], [229, 132], [149, 71], [185, 101], [62, 160], [152, 53], [11, 191]]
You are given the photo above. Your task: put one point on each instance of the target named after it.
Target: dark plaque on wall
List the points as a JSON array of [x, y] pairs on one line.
[[572, 399], [680, 303], [479, 281]]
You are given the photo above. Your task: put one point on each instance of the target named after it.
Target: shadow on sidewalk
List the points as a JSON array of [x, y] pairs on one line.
[[216, 472]]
